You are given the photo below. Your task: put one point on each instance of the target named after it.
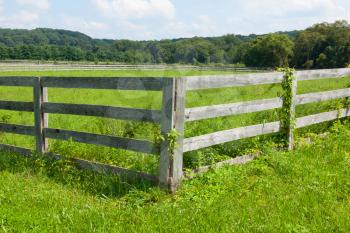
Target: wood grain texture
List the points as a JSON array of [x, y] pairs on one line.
[[322, 74], [167, 124], [150, 84], [104, 111], [195, 143], [17, 106], [207, 112], [220, 81], [15, 149], [103, 140], [234, 161], [17, 129], [322, 117], [17, 81], [40, 96], [322, 96]]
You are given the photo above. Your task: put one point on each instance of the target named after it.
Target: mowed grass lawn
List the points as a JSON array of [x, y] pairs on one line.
[[307, 190]]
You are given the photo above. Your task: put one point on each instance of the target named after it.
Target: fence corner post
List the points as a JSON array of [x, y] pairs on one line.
[[40, 96], [289, 104], [173, 111]]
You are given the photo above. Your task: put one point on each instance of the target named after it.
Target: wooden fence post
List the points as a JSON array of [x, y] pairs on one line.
[[173, 118], [41, 119], [292, 114]]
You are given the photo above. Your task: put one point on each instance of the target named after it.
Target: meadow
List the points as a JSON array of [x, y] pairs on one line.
[[152, 100], [307, 190]]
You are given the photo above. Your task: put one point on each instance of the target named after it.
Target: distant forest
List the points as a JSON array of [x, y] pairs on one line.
[[324, 45]]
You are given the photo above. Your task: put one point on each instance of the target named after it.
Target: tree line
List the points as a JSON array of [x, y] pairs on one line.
[[324, 45]]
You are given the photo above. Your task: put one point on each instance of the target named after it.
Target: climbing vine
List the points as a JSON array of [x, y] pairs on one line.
[[170, 138], [287, 117]]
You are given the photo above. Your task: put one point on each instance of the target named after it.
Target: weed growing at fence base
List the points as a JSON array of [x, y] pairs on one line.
[[152, 100], [307, 190]]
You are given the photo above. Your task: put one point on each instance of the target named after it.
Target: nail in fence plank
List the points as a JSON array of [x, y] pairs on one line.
[[199, 142], [150, 84], [171, 163], [104, 111], [17, 129], [322, 96], [322, 117], [103, 140], [220, 81], [17, 106], [40, 118], [17, 81], [321, 74], [207, 112]]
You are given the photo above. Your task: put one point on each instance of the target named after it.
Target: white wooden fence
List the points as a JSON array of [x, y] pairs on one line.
[[173, 115]]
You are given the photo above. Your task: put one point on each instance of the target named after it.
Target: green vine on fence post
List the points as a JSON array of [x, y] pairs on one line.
[[287, 113], [171, 138]]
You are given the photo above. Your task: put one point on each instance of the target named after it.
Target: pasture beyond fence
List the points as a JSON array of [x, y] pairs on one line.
[[171, 117]]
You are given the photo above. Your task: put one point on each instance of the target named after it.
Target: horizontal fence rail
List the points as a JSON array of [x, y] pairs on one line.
[[149, 84], [17, 81], [207, 112], [17, 129], [195, 143], [235, 80], [103, 140], [17, 106], [104, 111]]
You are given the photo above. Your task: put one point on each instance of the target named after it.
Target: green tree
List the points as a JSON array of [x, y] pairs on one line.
[[272, 50]]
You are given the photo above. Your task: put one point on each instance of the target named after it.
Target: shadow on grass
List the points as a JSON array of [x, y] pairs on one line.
[[66, 173]]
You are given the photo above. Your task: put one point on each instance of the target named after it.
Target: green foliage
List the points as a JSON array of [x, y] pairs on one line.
[[325, 45], [273, 50], [287, 118]]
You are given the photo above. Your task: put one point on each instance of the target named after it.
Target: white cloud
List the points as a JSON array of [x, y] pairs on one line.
[[136, 9], [39, 4], [202, 25], [93, 28], [21, 19], [274, 15]]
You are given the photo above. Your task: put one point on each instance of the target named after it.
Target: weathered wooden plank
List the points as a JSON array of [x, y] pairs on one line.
[[88, 165], [17, 106], [104, 111], [234, 161], [322, 117], [322, 96], [108, 169], [220, 81], [207, 112], [179, 126], [17, 129], [171, 162], [195, 143], [15, 149], [40, 118], [151, 84], [103, 140], [321, 74], [17, 81]]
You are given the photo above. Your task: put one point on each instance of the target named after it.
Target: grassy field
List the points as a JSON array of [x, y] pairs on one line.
[[152, 100], [307, 190]]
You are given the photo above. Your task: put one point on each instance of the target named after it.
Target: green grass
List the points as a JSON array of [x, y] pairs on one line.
[[307, 190], [152, 100]]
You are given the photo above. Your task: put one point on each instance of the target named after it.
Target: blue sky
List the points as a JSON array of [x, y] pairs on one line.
[[159, 19]]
